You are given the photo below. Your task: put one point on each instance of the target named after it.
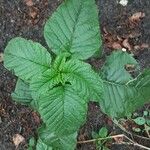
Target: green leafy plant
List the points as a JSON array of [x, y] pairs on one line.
[[103, 133], [60, 87], [143, 121]]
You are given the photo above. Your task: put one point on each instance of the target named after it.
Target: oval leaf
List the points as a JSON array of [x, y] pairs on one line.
[[62, 110], [83, 79], [139, 120], [26, 58], [74, 28]]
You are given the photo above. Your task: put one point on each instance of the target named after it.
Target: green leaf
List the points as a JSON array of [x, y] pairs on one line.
[[148, 122], [22, 94], [83, 79], [103, 132], [105, 148], [63, 110], [143, 83], [94, 135], [121, 94], [139, 120], [145, 113], [26, 58], [50, 78], [114, 68], [58, 142], [42, 146], [32, 142], [136, 130], [41, 84], [74, 28]]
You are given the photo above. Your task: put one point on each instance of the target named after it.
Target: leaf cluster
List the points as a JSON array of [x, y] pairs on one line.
[[60, 87]]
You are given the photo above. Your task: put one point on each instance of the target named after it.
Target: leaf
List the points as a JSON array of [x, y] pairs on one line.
[[74, 28], [143, 83], [80, 75], [50, 78], [41, 84], [139, 120], [105, 148], [121, 94], [103, 132], [58, 142], [136, 129], [32, 142], [63, 110], [114, 68], [94, 135], [83, 79], [42, 146], [22, 94], [145, 113], [26, 58]]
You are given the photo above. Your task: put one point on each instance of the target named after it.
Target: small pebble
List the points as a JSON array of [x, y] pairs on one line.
[[123, 2], [124, 50]]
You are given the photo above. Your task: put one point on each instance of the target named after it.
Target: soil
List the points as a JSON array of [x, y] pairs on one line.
[[17, 18]]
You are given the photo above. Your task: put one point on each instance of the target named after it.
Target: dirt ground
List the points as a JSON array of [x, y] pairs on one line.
[[119, 28]]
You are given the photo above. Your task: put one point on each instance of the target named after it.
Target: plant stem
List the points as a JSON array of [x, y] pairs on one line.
[[113, 137], [100, 139]]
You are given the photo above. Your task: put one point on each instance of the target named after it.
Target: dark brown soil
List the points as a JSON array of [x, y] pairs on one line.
[[18, 19]]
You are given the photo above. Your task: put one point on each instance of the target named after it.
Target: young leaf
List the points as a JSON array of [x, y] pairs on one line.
[[58, 142], [103, 132], [81, 76], [74, 28], [139, 120], [95, 135], [42, 146], [83, 79], [122, 97], [26, 58], [50, 78], [63, 110], [45, 82], [145, 113]]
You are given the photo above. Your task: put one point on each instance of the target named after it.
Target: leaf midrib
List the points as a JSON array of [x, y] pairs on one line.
[[75, 24]]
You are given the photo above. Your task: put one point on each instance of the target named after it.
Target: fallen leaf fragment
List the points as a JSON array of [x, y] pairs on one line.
[[116, 45], [17, 139], [1, 57], [36, 117], [29, 3], [144, 45], [33, 12], [130, 68], [137, 16], [126, 44]]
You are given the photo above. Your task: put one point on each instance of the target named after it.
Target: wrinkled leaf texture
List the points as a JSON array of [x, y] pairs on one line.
[[122, 93], [74, 28]]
